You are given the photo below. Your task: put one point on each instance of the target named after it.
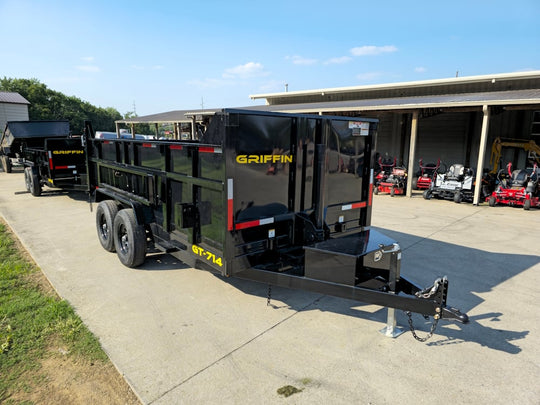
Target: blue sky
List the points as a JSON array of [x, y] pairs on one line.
[[167, 55]]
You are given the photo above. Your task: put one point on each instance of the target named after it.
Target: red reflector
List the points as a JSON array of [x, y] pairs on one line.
[[177, 147], [206, 149], [249, 224], [230, 216]]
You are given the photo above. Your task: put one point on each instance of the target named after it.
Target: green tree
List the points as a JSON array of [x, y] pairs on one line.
[[47, 104]]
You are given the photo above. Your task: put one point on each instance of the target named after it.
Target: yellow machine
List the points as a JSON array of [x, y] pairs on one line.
[[530, 147]]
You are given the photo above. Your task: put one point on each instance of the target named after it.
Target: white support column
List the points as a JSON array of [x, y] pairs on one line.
[[481, 154], [412, 148]]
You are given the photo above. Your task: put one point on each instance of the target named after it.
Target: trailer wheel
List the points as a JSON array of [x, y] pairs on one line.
[[492, 201], [427, 194], [105, 214], [376, 190], [457, 197], [33, 183], [415, 183], [392, 192], [129, 239], [527, 205]]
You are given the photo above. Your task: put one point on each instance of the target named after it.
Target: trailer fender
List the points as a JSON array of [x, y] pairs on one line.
[[143, 214]]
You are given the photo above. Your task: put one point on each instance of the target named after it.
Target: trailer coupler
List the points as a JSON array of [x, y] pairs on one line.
[[436, 293]]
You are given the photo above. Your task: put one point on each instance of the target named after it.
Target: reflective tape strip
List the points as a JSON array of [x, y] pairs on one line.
[[65, 167], [50, 161], [353, 206], [176, 147], [149, 145], [370, 198], [230, 212], [209, 149], [252, 224]]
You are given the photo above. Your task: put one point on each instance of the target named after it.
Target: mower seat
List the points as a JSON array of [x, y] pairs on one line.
[[456, 172], [519, 178]]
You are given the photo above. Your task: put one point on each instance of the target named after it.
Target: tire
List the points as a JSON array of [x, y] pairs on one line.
[[376, 190], [129, 239], [35, 186], [457, 197], [105, 214], [392, 192], [427, 194], [527, 205], [492, 201], [414, 183]]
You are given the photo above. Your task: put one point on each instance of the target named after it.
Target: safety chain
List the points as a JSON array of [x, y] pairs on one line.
[[269, 295], [430, 334], [427, 293]]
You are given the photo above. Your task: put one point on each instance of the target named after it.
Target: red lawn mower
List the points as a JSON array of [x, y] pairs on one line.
[[426, 175], [385, 169], [391, 179], [517, 188]]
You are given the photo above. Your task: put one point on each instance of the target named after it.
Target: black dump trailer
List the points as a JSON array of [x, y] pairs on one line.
[[276, 198], [49, 154]]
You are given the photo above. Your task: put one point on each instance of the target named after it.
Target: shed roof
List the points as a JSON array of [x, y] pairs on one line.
[[454, 85], [529, 98], [12, 98]]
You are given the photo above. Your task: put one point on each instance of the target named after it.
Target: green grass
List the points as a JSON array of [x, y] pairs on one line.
[[32, 320]]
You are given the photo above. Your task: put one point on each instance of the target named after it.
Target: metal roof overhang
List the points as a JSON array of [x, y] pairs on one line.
[[529, 98], [454, 81]]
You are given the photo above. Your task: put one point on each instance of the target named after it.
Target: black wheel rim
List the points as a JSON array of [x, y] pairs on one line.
[[104, 230], [124, 239]]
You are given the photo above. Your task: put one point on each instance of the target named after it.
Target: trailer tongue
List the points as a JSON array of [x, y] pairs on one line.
[[277, 198]]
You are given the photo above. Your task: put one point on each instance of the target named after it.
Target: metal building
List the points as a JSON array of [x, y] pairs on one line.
[[455, 119], [13, 107]]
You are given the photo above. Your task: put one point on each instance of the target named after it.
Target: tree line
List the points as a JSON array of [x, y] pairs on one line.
[[47, 104]]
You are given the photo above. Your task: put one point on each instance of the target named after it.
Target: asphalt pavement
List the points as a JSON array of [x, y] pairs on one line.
[[185, 336]]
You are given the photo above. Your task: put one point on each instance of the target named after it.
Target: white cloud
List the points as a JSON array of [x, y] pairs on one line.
[[88, 68], [372, 50], [250, 69], [300, 60], [88, 58], [339, 60], [420, 69]]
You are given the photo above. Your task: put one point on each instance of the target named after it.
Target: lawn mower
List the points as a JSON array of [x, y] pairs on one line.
[[517, 188], [384, 170], [425, 176], [392, 179], [456, 184]]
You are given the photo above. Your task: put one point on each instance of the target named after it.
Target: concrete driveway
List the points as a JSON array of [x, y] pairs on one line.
[[185, 336]]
